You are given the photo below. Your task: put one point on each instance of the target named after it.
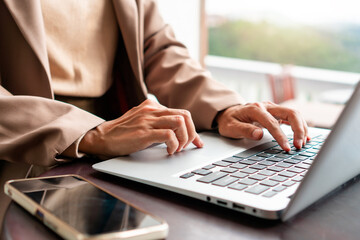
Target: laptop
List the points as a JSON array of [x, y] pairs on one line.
[[253, 177]]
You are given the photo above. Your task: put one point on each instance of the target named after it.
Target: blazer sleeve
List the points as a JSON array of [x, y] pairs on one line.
[[36, 130], [177, 80]]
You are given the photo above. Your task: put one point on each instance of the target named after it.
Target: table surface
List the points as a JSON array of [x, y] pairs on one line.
[[336, 217]]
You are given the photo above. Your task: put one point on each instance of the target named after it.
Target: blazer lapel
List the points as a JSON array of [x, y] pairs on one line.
[[127, 14], [28, 17]]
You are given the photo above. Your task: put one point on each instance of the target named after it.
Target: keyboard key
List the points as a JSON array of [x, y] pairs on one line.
[[287, 174], [289, 183], [289, 153], [222, 182], [272, 151], [187, 175], [291, 161], [267, 173], [298, 157], [275, 159], [229, 170], [238, 186], [279, 178], [232, 159], [258, 167], [307, 146], [277, 148], [275, 169], [279, 188], [269, 183], [248, 170], [315, 151], [222, 163], [202, 171], [296, 170], [267, 163], [238, 166], [255, 158], [282, 155], [212, 177], [256, 149], [309, 162], [257, 189], [302, 165], [284, 165], [265, 155], [298, 178], [307, 154], [247, 181], [208, 167], [269, 194], [247, 162], [257, 177], [239, 175]]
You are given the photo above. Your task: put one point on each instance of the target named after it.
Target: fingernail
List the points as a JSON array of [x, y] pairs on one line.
[[256, 134], [299, 142]]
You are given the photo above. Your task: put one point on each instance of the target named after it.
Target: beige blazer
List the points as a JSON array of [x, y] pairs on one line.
[[35, 129]]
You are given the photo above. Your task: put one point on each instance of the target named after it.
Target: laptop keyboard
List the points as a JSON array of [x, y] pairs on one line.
[[263, 170]]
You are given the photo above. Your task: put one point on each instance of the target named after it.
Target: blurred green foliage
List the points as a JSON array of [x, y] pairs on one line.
[[330, 47]]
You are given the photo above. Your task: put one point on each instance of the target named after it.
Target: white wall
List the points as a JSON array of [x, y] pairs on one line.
[[184, 17]]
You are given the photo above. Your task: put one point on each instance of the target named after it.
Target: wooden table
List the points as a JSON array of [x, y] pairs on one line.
[[337, 217]]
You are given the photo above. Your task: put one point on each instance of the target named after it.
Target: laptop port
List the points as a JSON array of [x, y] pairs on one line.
[[221, 202], [238, 207]]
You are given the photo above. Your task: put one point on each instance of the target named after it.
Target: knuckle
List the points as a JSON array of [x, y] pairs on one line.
[[258, 104], [169, 134], [179, 120], [254, 107], [140, 131], [148, 102], [273, 123], [293, 113], [186, 113]]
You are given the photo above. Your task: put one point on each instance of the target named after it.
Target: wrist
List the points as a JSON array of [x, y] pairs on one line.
[[87, 144], [220, 114]]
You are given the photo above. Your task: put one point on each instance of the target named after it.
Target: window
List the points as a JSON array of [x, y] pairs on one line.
[[319, 34]]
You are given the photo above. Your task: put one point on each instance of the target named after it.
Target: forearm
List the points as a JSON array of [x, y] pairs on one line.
[[36, 130]]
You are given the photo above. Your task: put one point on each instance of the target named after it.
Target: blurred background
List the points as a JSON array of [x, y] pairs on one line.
[[302, 54]]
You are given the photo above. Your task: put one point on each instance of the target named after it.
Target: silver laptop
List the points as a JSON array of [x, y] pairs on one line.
[[254, 177]]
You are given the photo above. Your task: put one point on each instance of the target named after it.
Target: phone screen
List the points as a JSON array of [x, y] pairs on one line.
[[83, 206]]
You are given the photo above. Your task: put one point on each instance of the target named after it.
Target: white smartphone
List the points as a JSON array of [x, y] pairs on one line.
[[77, 209]]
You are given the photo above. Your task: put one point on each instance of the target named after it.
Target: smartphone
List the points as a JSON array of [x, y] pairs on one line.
[[77, 209]]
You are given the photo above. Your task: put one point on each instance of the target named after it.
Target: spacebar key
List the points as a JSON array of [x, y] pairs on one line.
[[212, 177], [256, 149]]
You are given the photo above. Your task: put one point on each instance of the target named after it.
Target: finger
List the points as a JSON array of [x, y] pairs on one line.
[[295, 120], [236, 129], [177, 124], [271, 124], [307, 137], [166, 136], [190, 127], [197, 142]]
